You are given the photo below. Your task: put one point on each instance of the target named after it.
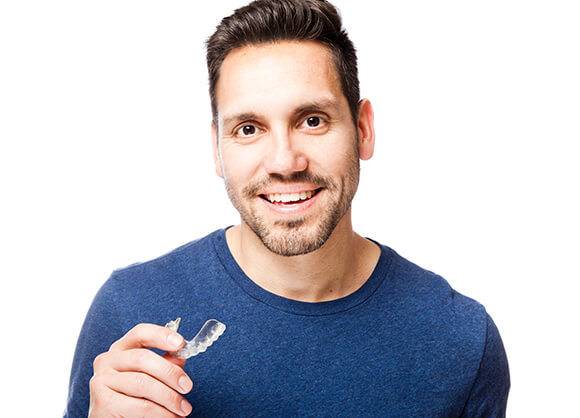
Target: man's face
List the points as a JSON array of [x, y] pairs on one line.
[[287, 146]]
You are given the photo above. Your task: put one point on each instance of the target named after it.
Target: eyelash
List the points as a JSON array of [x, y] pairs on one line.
[[321, 121], [239, 131]]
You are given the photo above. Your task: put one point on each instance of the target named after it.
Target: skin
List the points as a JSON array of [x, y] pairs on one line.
[[131, 381], [302, 138]]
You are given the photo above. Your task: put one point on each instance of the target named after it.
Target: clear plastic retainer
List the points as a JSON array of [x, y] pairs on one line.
[[206, 336]]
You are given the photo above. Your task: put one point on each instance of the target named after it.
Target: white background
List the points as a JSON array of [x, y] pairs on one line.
[[105, 160]]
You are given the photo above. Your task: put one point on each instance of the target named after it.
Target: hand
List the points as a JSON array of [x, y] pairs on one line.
[[130, 380]]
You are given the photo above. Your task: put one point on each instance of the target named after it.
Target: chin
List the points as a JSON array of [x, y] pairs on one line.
[[293, 238]]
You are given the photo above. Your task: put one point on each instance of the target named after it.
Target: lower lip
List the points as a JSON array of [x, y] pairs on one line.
[[292, 208]]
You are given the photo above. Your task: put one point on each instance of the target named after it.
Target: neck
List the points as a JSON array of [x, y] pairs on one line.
[[338, 268]]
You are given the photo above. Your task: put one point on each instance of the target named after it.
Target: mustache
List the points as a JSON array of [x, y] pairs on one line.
[[254, 188]]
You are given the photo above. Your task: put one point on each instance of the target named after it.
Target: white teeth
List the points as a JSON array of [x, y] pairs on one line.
[[289, 197]]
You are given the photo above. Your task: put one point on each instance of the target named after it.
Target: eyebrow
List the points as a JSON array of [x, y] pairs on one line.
[[240, 117], [314, 105], [322, 104]]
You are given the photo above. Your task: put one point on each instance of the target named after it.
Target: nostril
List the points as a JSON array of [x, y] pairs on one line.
[[285, 162]]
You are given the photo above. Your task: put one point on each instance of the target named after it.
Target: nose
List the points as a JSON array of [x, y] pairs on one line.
[[283, 155]]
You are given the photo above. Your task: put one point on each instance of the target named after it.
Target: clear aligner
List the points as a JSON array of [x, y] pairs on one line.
[[206, 336]]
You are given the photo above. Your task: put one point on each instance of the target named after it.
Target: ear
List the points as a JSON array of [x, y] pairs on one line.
[[366, 129], [216, 153]]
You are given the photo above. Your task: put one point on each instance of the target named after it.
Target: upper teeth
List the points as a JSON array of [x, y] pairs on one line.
[[289, 197]]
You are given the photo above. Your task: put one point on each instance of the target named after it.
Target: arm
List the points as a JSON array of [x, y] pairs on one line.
[[124, 369], [488, 396]]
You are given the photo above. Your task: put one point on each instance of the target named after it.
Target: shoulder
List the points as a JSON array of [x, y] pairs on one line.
[[428, 291], [451, 333], [168, 268], [157, 284], [194, 251], [153, 284], [428, 308]]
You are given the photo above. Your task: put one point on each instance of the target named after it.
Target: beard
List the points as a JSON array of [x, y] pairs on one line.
[[299, 235]]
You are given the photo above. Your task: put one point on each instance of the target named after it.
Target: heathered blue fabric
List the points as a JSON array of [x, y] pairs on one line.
[[404, 345]]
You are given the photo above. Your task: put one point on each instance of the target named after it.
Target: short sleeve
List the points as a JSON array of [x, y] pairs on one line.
[[489, 393]]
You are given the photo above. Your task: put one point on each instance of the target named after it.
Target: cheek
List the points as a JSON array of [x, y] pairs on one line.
[[240, 163], [338, 149], [334, 160]]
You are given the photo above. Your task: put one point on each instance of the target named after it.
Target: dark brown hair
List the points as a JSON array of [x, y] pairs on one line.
[[265, 21]]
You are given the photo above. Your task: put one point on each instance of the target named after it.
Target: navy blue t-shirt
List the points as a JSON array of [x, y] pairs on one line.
[[403, 345]]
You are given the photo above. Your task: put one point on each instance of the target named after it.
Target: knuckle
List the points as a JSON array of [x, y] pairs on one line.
[[99, 361], [140, 329], [137, 328], [114, 346], [98, 394], [175, 400], [98, 384], [132, 336], [144, 406], [117, 344], [172, 371], [147, 408], [95, 384]]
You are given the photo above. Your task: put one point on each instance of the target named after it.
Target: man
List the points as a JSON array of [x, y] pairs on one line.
[[320, 321]]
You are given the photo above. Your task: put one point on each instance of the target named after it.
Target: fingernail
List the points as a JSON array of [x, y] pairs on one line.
[[185, 384], [186, 407], [174, 340]]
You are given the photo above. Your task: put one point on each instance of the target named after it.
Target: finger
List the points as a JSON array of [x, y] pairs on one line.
[[144, 386], [149, 335], [145, 361], [112, 403], [180, 362]]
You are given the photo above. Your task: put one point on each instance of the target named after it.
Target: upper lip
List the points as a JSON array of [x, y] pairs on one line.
[[289, 189]]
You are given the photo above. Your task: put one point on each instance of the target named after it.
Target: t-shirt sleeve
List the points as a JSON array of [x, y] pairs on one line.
[[100, 329], [489, 394]]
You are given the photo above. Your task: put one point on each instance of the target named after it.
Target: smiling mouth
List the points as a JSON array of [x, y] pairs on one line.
[[290, 198]]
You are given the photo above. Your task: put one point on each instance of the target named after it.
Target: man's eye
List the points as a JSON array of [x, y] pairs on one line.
[[247, 130], [312, 122]]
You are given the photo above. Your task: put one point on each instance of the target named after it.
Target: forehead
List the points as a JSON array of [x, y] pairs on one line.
[[285, 73]]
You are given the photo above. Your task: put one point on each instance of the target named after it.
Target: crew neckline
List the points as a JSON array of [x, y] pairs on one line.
[[359, 296]]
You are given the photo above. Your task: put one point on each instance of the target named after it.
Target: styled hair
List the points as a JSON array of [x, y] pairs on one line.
[[267, 21]]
